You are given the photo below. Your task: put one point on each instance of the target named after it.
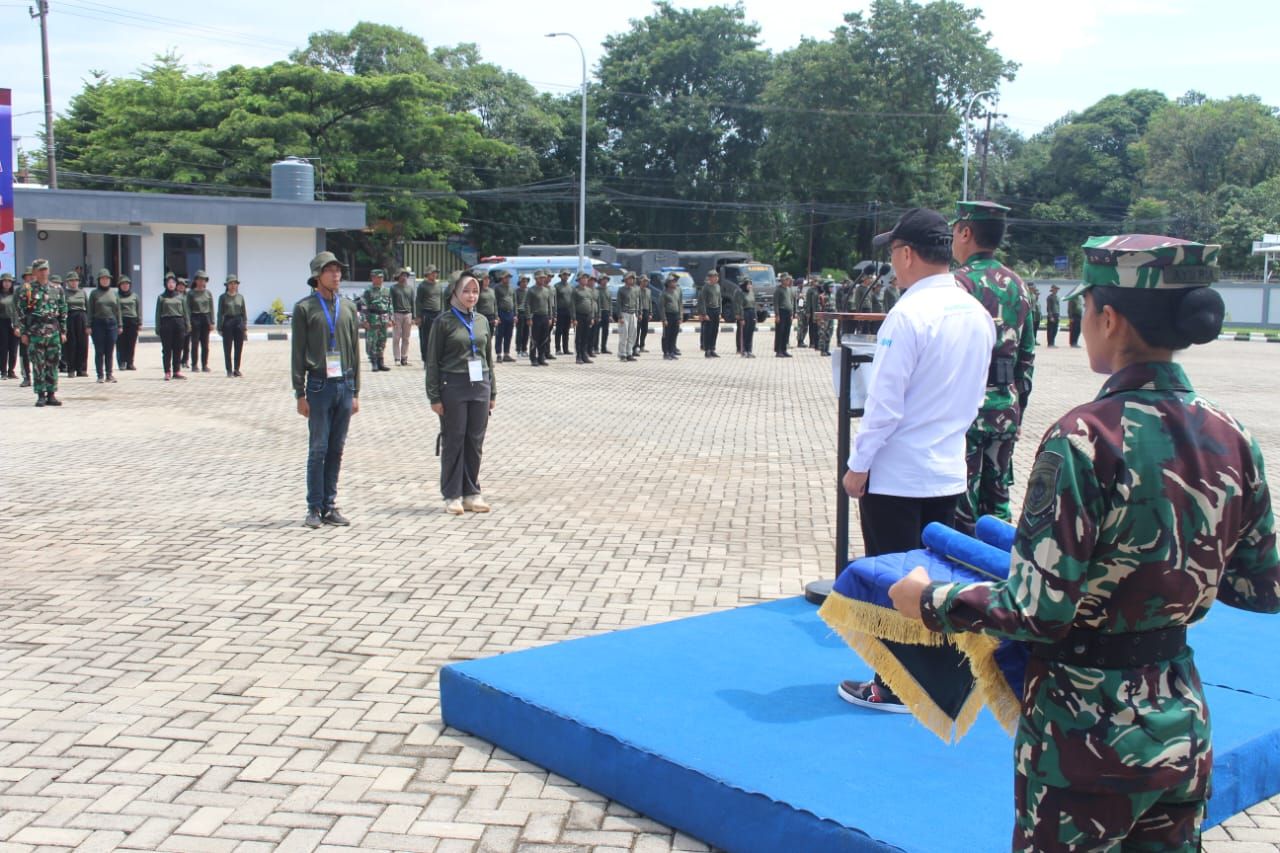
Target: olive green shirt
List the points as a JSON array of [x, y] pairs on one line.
[[230, 305], [784, 298], [77, 300], [428, 297], [605, 301], [105, 305], [585, 306], [451, 347], [8, 307], [173, 305], [130, 307], [402, 297], [487, 304], [645, 305], [564, 297], [746, 301], [521, 298], [709, 299], [541, 301], [671, 302], [200, 302], [309, 339], [628, 299], [506, 301]]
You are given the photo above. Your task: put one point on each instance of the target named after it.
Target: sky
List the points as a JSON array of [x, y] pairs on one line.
[[1071, 53]]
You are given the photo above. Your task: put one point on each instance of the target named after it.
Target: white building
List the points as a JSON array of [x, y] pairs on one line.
[[267, 243]]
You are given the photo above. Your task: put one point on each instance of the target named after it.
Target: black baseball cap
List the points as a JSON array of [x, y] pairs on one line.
[[919, 226]]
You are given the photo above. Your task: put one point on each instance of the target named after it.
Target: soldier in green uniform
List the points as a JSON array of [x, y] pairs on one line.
[[9, 339], [604, 315], [504, 295], [232, 320], [643, 314], [1034, 293], [105, 321], [171, 323], [564, 313], [130, 323], [891, 293], [23, 355], [42, 323], [1144, 506], [784, 307], [184, 349], [375, 310], [825, 327], [672, 313], [426, 308], [325, 371], [745, 298], [586, 307], [1051, 315], [402, 296], [628, 311], [709, 304], [541, 303], [200, 313], [522, 317], [976, 233], [75, 353], [1074, 315]]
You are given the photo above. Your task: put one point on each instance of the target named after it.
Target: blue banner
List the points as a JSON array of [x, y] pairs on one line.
[[7, 259]]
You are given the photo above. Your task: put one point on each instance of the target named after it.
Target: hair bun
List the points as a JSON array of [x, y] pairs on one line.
[[1200, 315]]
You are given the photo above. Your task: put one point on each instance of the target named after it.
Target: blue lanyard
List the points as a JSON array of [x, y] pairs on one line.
[[470, 324], [331, 320]]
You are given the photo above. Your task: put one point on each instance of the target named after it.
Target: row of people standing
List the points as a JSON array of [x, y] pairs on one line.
[[184, 319]]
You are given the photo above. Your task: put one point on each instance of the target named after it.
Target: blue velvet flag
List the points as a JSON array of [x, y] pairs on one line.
[[943, 680]]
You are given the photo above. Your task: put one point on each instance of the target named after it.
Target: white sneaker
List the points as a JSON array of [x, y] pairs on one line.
[[475, 503], [453, 506]]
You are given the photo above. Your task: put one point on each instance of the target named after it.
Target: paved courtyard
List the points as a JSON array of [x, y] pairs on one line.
[[184, 666]]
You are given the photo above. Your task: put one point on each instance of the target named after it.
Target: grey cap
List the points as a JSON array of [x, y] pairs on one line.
[[628, 274], [231, 279], [565, 272], [407, 271], [431, 268], [200, 274], [543, 272], [322, 260]]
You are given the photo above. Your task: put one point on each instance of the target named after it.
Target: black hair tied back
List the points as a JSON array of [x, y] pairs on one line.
[[1199, 315]]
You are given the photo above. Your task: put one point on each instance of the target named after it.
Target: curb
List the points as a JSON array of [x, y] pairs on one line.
[[152, 338], [1241, 336]]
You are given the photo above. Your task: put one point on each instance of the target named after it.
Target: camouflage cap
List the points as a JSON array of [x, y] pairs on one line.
[[39, 264], [322, 260], [27, 271], [231, 279], [380, 273], [124, 279], [978, 211], [1147, 261], [200, 274], [104, 273]]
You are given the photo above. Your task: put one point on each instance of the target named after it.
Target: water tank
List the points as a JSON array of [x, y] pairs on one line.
[[293, 179]]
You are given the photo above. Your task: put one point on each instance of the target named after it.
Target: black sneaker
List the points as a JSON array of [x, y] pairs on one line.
[[869, 694], [332, 516], [313, 519]]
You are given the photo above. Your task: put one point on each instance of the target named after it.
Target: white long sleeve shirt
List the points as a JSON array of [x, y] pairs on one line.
[[927, 381]]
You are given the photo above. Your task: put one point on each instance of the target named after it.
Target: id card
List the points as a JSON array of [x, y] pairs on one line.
[[333, 365], [475, 369]]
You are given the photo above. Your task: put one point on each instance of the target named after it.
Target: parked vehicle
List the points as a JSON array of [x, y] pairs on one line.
[[734, 268]]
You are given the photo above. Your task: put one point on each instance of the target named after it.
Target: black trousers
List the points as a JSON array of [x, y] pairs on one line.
[[463, 424], [669, 333], [747, 334], [1073, 331], [539, 338], [522, 334], [563, 322], [710, 331], [426, 321], [782, 331], [200, 326], [173, 333], [232, 342], [127, 343], [584, 335], [75, 352], [9, 343], [105, 333], [642, 328], [813, 334], [602, 327], [504, 332], [1051, 332], [184, 346]]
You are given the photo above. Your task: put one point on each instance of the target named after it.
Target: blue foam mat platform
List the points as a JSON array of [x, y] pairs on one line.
[[727, 727]]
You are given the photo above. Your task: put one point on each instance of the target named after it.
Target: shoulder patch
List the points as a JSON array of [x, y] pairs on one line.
[[1042, 485]]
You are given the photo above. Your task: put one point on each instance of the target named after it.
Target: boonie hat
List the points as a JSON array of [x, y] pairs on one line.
[[231, 279], [124, 279], [919, 225], [72, 276], [104, 272], [200, 274], [322, 260]]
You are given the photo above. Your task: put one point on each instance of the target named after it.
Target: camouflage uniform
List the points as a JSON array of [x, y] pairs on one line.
[[375, 308], [824, 327], [42, 319], [1143, 506]]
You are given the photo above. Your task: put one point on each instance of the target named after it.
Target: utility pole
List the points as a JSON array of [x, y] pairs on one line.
[[809, 264], [41, 11], [986, 146]]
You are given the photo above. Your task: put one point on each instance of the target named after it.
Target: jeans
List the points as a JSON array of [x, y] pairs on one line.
[[504, 332], [105, 333], [330, 401]]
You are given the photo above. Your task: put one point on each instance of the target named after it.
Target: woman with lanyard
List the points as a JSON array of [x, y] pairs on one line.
[[104, 321], [1144, 507], [171, 321], [461, 389], [231, 323]]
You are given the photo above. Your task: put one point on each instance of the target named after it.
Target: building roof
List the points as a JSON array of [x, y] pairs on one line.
[[102, 206]]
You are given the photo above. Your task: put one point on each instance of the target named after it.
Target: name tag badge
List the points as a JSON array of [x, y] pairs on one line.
[[333, 366], [475, 369]]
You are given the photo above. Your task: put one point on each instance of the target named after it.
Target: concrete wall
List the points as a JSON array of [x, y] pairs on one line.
[[273, 262]]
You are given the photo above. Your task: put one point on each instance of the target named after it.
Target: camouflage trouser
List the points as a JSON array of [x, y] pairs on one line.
[[45, 351], [824, 336], [802, 328], [375, 339], [1049, 820], [989, 459]]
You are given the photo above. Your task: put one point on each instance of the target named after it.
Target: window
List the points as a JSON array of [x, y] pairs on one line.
[[183, 254]]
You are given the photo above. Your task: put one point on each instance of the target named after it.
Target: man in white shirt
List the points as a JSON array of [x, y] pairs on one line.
[[929, 376]]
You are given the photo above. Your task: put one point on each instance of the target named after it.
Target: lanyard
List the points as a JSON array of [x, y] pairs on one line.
[[330, 319], [470, 324]]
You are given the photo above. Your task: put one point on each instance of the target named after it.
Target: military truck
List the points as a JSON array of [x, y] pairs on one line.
[[734, 268]]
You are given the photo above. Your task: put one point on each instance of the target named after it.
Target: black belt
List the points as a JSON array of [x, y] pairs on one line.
[[1114, 651]]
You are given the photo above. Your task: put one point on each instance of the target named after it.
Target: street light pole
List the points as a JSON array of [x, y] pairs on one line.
[[42, 12], [582, 161], [965, 191]]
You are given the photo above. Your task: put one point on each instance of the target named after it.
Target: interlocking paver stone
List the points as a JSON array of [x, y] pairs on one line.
[[184, 667]]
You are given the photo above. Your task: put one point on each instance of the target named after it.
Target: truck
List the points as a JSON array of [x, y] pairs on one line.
[[734, 268], [594, 249]]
